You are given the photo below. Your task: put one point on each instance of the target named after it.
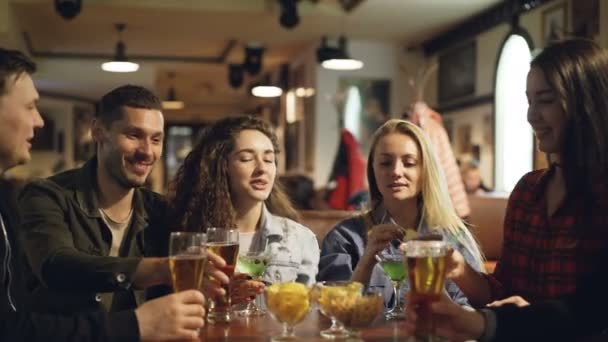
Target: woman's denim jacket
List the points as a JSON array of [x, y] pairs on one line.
[[293, 249]]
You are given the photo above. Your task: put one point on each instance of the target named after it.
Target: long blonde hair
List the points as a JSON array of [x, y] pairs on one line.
[[437, 208]]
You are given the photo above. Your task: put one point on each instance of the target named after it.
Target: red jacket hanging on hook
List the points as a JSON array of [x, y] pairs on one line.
[[348, 173]]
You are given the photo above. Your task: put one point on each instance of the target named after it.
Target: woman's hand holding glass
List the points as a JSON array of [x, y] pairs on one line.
[[455, 265], [455, 322], [244, 288]]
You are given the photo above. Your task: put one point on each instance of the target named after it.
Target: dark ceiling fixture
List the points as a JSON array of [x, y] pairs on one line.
[[235, 75], [253, 58], [68, 9], [289, 17]]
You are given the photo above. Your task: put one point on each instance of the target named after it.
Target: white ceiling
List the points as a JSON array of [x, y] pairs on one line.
[[191, 28]]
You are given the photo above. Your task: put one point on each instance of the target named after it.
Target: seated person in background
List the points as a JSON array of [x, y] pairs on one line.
[[177, 316], [432, 125], [471, 177], [407, 193], [300, 189], [555, 223], [228, 180], [85, 231]]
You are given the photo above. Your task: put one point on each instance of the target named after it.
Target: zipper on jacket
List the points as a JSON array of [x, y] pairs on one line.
[[7, 264]]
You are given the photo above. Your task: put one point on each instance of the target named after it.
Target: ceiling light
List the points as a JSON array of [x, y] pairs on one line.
[[253, 58], [235, 75], [342, 64], [337, 58], [305, 92], [289, 17], [266, 89], [120, 62], [68, 9], [172, 103]]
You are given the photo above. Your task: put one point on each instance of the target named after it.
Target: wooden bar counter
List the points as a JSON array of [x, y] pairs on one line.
[[264, 327]]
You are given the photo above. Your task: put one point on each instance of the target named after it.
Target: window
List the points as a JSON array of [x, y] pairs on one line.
[[514, 139]]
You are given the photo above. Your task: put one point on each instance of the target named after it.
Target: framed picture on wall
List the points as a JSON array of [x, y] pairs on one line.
[[457, 73], [554, 24], [364, 106], [585, 18]]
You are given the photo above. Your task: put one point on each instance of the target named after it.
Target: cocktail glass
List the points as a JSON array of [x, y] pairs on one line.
[[392, 262], [253, 264]]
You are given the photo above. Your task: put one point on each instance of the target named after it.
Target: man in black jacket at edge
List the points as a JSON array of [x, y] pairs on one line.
[[176, 316]]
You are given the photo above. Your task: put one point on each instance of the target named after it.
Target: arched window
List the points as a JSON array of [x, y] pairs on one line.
[[513, 139]]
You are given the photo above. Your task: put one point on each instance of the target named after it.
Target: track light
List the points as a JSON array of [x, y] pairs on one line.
[[235, 75], [289, 17], [253, 58], [120, 62], [68, 9]]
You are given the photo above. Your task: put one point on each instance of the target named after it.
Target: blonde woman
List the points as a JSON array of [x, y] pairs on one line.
[[408, 194]]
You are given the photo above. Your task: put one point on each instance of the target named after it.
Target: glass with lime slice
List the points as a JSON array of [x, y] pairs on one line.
[[253, 264]]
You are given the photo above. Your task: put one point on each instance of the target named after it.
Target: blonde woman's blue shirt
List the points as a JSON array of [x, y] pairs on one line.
[[344, 245]]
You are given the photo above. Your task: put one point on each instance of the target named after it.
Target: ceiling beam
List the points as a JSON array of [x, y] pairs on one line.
[[350, 5], [219, 59]]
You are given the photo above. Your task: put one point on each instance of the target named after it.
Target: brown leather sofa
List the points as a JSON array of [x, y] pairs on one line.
[[486, 220]]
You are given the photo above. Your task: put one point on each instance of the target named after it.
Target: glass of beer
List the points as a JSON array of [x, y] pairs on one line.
[[187, 260], [426, 264], [225, 243]]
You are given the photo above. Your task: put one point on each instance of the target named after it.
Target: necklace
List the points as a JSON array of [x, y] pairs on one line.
[[124, 221]]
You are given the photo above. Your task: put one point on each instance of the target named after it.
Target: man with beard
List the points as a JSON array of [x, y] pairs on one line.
[[177, 316], [86, 231]]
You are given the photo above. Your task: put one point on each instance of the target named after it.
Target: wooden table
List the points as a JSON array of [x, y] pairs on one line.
[[262, 328]]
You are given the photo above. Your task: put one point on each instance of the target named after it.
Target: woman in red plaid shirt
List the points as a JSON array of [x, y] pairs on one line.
[[556, 222]]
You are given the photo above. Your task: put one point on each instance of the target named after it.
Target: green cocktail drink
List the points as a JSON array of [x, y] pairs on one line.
[[253, 265], [394, 269]]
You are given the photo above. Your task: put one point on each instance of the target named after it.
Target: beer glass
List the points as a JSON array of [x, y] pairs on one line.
[[187, 260], [225, 243], [426, 264]]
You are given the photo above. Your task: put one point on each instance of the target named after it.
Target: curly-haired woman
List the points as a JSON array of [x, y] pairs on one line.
[[228, 180]]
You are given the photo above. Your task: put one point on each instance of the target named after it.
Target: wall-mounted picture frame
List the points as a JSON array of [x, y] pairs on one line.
[[586, 18], [457, 72], [364, 106], [554, 23]]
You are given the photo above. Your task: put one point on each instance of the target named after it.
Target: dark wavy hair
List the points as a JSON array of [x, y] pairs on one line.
[[199, 196], [577, 70]]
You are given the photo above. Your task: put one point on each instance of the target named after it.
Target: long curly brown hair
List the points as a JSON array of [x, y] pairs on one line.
[[199, 196]]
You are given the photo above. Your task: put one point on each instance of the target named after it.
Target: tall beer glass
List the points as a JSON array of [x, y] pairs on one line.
[[426, 264], [187, 260], [225, 243]]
